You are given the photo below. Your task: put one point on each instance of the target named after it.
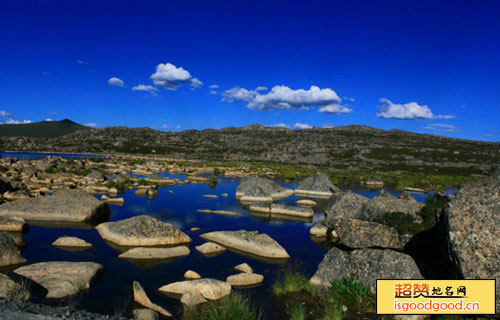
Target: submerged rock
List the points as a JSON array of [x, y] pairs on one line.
[[71, 242], [142, 230], [210, 248], [9, 252], [62, 279], [244, 267], [317, 186], [142, 298], [473, 231], [366, 266], [191, 275], [248, 241], [254, 189], [62, 205], [245, 279], [364, 234], [155, 253], [291, 211], [209, 289]]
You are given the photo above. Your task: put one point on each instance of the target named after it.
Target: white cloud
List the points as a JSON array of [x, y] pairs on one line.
[[4, 113], [12, 121], [327, 126], [335, 109], [49, 120], [442, 127], [280, 125], [237, 94], [82, 62], [301, 126], [407, 111], [214, 86], [213, 92], [196, 83], [116, 82], [170, 77], [91, 124], [284, 98], [350, 99], [141, 87], [260, 88]]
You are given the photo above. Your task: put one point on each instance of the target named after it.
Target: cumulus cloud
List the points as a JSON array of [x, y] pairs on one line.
[[285, 98], [213, 92], [282, 97], [116, 82], [214, 86], [82, 62], [260, 88], [170, 77], [442, 127], [301, 126], [237, 94], [141, 87], [12, 121], [335, 109], [4, 113], [91, 124], [407, 111], [49, 120]]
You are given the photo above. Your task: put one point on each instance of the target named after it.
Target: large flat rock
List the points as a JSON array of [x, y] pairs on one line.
[[142, 253], [259, 244], [62, 205], [142, 230], [61, 278]]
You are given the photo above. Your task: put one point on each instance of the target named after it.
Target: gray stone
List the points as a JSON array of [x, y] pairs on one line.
[[155, 253], [348, 205], [62, 205], [385, 202], [9, 252], [145, 314], [261, 190], [473, 231], [366, 266], [319, 185], [356, 233], [142, 230]]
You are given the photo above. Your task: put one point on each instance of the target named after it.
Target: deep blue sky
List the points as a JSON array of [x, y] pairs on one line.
[[56, 59]]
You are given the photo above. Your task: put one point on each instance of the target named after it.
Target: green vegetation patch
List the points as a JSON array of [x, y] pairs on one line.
[[231, 307]]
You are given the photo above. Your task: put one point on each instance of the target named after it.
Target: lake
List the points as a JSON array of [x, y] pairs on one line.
[[113, 292]]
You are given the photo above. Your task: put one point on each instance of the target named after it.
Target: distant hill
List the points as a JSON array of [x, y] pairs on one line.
[[43, 129], [348, 147]]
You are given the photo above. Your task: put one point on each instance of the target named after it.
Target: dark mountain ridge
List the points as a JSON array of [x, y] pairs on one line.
[[42, 129]]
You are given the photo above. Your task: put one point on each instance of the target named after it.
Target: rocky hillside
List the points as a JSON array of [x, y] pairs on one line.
[[339, 147], [44, 129]]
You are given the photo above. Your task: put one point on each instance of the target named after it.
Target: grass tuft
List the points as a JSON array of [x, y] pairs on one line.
[[231, 307]]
